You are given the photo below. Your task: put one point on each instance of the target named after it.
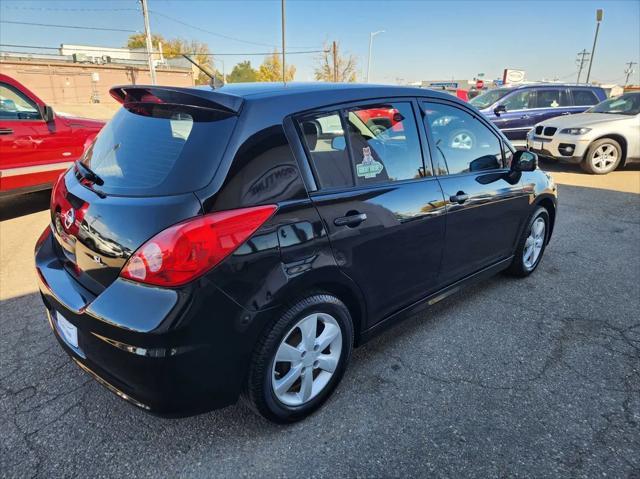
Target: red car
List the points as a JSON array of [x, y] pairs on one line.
[[36, 145], [381, 119]]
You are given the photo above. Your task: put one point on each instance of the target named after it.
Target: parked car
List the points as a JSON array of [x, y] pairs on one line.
[[515, 110], [241, 241], [603, 138], [379, 120], [36, 145]]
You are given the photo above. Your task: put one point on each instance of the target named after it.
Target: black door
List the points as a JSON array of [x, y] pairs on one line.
[[383, 210], [484, 210]]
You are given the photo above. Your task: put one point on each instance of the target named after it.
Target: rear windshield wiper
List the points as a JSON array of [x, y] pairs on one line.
[[88, 173]]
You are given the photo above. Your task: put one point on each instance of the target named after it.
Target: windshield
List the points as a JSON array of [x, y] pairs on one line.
[[627, 104], [159, 149], [488, 98]]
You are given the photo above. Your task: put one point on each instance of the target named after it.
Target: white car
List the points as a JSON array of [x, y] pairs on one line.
[[601, 139]]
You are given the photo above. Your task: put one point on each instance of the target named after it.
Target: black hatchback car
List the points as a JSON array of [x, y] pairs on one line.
[[235, 242]]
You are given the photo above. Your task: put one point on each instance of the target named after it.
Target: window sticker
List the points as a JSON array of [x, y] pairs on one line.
[[369, 168]]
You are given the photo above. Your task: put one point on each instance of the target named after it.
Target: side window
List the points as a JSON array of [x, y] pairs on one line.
[[584, 98], [519, 100], [551, 98], [15, 106], [384, 143], [462, 141], [324, 139]]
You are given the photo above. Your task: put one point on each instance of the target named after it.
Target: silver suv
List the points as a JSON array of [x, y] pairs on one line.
[[601, 139]]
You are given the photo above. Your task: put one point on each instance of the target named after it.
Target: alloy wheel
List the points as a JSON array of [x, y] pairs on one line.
[[462, 141], [306, 359], [604, 157], [534, 243]]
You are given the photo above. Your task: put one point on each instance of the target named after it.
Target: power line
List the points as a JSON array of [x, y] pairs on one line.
[[68, 26], [208, 31], [57, 9], [628, 71], [582, 58], [37, 47], [216, 34], [82, 27]]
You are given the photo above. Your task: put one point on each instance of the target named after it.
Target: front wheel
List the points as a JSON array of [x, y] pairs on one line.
[[603, 157], [531, 244], [301, 359]]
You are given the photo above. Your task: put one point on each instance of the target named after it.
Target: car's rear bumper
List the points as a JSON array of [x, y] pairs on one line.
[[171, 352]]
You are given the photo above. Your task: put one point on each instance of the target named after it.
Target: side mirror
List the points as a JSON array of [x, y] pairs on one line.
[[500, 109], [338, 143], [47, 114], [524, 160]]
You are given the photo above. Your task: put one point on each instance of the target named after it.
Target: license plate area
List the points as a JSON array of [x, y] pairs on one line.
[[536, 145], [67, 331]]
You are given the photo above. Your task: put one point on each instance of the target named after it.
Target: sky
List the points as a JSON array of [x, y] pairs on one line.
[[422, 40]]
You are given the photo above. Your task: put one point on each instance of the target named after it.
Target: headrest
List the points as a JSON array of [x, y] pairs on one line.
[[310, 131]]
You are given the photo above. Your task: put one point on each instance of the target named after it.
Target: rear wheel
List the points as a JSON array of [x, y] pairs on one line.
[[603, 157], [301, 359], [531, 244]]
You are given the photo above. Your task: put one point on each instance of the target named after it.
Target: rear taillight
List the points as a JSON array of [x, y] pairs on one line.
[[185, 251]]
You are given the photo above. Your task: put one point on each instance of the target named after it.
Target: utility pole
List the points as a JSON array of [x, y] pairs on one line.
[[371, 35], [335, 62], [147, 32], [284, 67], [581, 60], [599, 17], [628, 71]]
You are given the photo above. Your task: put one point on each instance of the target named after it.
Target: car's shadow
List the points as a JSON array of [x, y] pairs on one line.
[[15, 206], [560, 167]]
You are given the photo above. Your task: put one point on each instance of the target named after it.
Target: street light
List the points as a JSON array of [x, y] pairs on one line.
[[371, 35], [599, 17]]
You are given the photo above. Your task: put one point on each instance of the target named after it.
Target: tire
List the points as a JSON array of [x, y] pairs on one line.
[[603, 156], [462, 140], [282, 406], [523, 265]]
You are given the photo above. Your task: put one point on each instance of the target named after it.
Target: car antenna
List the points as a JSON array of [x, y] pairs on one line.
[[215, 83]]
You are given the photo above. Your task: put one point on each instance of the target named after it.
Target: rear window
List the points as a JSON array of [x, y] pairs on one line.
[[159, 149]]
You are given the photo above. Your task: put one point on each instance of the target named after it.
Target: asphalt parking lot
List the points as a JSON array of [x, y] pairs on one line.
[[512, 378]]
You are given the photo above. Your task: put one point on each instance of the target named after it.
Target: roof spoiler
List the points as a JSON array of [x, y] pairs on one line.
[[183, 96]]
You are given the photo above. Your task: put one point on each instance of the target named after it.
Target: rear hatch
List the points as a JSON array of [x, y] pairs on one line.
[[139, 177]]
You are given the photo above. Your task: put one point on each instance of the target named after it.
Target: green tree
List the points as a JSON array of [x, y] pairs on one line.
[[345, 66], [242, 73], [271, 69], [176, 47]]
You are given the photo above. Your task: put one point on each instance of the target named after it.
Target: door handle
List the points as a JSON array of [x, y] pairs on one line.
[[5, 131], [350, 220], [460, 197], [567, 113], [525, 117]]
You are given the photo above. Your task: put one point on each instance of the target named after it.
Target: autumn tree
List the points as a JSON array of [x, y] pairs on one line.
[[174, 48], [242, 73], [271, 69], [345, 66]]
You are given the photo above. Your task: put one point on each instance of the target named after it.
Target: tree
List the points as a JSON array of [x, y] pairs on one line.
[[174, 48], [345, 66], [242, 73], [271, 69], [139, 40]]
